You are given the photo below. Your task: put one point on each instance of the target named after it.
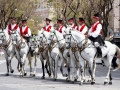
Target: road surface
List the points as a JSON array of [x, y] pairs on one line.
[[14, 82]]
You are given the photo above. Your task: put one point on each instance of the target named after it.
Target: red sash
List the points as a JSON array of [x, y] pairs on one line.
[[10, 29], [48, 29], [25, 31], [60, 30], [94, 27], [82, 27]]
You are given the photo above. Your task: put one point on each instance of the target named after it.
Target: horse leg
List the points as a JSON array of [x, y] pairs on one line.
[[11, 70], [73, 70], [61, 68], [47, 64], [108, 64], [43, 69], [91, 70], [35, 64], [30, 63], [68, 68], [7, 64], [56, 68], [82, 71], [110, 77]]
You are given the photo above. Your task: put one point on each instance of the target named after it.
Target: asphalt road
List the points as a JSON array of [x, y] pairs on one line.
[[14, 82]]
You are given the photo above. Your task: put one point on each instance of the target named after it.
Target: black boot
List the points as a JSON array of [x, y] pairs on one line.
[[99, 51]]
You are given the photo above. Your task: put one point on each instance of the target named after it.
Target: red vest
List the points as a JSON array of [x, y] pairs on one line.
[[82, 27], [60, 30], [48, 29], [25, 31], [74, 26], [10, 29], [94, 27]]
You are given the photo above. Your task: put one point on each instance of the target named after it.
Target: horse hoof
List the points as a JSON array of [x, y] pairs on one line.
[[88, 80], [43, 77], [55, 79], [49, 74], [110, 83], [67, 80], [33, 75], [75, 80], [92, 83], [7, 74], [25, 74], [72, 82], [12, 71], [65, 75], [105, 83], [21, 76], [84, 80], [80, 83]]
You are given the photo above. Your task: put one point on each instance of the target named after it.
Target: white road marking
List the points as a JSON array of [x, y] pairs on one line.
[[2, 61]]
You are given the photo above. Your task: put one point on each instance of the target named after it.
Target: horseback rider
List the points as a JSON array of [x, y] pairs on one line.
[[12, 26], [48, 27], [61, 28], [94, 34], [71, 23], [82, 28], [25, 31]]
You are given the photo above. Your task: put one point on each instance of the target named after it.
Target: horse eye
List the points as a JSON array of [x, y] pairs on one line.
[[68, 38]]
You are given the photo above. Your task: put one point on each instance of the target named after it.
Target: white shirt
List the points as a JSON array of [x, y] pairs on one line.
[[97, 31], [85, 29], [12, 27], [73, 26], [29, 31], [63, 29], [47, 27]]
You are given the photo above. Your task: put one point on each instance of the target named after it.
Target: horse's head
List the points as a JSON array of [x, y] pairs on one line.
[[69, 39], [52, 37], [42, 39], [68, 30], [14, 35], [33, 42]]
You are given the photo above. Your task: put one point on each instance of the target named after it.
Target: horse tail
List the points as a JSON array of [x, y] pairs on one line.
[[118, 56]]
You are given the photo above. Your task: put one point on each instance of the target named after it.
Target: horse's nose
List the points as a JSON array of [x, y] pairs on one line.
[[48, 44]]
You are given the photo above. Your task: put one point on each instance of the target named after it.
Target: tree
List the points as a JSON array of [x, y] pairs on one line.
[[84, 8], [15, 8]]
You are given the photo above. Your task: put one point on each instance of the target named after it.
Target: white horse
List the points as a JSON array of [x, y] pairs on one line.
[[9, 50], [33, 52], [43, 51], [56, 36], [87, 52], [21, 49]]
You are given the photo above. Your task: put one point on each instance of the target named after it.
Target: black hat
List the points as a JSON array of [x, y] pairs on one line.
[[81, 19], [12, 18], [59, 20], [47, 19], [96, 16], [70, 19], [24, 20]]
